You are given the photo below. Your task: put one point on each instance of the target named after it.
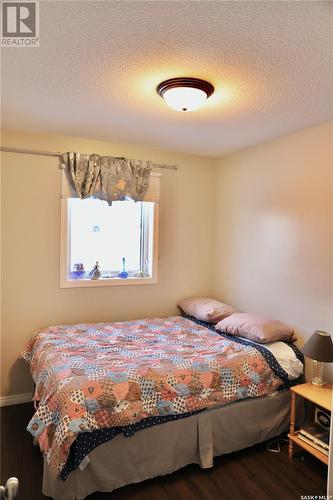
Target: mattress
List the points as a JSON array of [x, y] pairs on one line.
[[141, 373]]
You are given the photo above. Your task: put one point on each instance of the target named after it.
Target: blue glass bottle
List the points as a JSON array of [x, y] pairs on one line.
[[123, 274], [78, 271]]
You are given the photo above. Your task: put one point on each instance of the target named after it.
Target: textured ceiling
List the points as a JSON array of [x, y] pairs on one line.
[[95, 72]]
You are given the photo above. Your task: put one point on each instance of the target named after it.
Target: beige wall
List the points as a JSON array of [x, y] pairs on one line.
[[274, 251], [30, 240], [253, 228]]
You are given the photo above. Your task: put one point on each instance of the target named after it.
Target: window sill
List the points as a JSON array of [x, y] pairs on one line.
[[87, 283]]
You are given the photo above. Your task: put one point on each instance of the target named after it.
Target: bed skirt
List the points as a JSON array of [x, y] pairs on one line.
[[165, 448]]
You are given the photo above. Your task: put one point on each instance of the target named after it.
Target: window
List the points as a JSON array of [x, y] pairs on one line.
[[121, 238]]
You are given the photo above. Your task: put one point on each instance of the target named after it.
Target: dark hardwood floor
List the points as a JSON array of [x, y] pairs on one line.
[[253, 473]]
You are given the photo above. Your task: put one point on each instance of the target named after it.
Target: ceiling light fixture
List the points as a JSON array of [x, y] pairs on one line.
[[185, 94]]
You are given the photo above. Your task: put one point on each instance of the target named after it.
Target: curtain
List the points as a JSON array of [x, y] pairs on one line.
[[105, 177]]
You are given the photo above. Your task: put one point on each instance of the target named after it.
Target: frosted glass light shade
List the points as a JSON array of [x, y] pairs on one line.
[[185, 93], [184, 98]]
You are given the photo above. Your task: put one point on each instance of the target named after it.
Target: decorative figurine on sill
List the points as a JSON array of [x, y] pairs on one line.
[[123, 274], [95, 273], [78, 271]]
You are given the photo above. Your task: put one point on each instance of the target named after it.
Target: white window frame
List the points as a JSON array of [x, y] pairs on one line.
[[67, 282]]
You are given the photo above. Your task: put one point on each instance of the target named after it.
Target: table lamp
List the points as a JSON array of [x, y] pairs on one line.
[[319, 348]]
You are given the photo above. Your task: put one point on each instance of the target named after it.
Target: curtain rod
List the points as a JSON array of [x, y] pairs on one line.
[[56, 155]]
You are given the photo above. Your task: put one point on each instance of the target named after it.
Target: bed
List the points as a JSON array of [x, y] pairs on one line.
[[117, 403]]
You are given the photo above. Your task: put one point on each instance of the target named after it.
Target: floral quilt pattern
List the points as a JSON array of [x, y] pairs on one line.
[[93, 376]]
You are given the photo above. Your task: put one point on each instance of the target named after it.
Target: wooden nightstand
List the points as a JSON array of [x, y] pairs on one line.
[[320, 396]]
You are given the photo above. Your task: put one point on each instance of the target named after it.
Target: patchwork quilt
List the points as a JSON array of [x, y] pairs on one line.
[[96, 376]]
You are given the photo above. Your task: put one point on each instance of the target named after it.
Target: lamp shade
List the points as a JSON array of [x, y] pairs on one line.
[[319, 347]]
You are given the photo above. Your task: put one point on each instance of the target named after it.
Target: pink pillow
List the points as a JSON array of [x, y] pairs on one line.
[[256, 328], [209, 310]]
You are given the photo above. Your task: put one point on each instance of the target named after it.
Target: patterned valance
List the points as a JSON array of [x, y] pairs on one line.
[[107, 178]]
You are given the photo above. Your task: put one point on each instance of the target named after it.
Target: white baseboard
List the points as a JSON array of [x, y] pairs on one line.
[[16, 399]]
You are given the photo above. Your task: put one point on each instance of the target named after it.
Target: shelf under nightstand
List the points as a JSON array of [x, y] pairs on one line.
[[318, 395]]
